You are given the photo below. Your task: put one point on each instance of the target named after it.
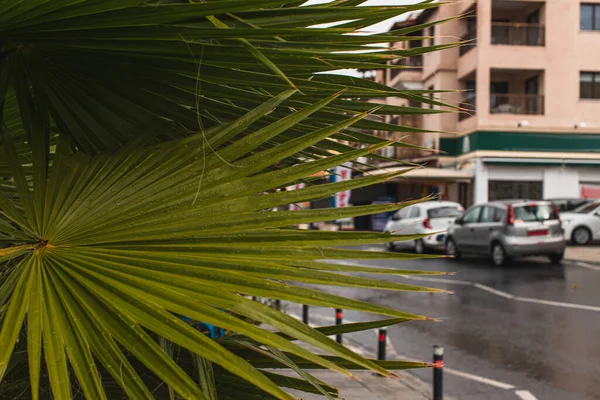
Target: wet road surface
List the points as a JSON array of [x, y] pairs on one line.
[[547, 345]]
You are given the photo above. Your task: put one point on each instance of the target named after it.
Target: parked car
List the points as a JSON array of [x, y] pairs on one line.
[[430, 217], [508, 229], [569, 204], [582, 226]]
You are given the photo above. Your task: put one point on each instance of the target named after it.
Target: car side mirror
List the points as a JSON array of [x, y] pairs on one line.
[[459, 221]]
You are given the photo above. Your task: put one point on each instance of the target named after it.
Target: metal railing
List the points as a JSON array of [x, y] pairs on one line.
[[510, 103], [468, 107], [469, 41], [411, 63], [518, 34]]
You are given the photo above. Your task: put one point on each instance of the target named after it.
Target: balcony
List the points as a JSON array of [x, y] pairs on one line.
[[518, 34], [468, 106], [516, 103], [412, 63], [469, 42]]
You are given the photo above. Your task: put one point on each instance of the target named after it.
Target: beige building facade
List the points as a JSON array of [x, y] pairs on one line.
[[528, 80]]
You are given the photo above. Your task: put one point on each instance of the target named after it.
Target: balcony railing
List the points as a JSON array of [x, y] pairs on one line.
[[469, 41], [517, 34], [468, 107], [410, 63], [527, 104]]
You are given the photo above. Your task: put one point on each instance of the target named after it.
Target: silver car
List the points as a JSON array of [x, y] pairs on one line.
[[508, 229]]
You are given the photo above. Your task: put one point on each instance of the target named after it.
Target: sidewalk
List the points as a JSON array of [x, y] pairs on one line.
[[371, 387], [589, 253]]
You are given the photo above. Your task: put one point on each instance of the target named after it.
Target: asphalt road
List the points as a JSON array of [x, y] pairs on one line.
[[527, 331]]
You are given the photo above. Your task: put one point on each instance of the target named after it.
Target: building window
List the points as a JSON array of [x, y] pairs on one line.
[[590, 17], [589, 85], [431, 34], [502, 190]]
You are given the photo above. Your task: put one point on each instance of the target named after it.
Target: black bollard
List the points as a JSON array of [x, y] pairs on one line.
[[278, 305], [338, 321], [381, 344], [305, 314], [438, 370]]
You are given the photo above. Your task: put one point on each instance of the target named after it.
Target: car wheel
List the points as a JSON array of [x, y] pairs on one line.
[[419, 246], [499, 257], [452, 249], [581, 236], [557, 258]]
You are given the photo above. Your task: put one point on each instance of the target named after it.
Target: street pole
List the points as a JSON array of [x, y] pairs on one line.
[[438, 369], [338, 321]]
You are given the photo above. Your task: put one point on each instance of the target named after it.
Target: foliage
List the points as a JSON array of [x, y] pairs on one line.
[[141, 143]]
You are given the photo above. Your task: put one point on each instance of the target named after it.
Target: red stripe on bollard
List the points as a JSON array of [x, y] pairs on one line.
[[438, 373]]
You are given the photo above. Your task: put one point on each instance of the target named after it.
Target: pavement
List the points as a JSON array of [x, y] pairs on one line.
[[590, 254], [366, 386], [528, 331], [370, 387]]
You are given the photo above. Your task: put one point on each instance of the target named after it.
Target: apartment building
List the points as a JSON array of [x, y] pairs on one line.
[[529, 80]]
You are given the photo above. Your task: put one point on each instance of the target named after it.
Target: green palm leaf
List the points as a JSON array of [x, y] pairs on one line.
[[89, 268], [141, 144]]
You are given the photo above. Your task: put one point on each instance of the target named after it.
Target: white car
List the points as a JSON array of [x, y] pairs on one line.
[[430, 217], [582, 225]]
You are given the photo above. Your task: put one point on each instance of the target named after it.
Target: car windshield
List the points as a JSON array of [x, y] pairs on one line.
[[534, 212], [587, 208], [444, 212]]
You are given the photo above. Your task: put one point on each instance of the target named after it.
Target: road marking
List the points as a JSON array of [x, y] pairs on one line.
[[588, 266], [495, 291], [557, 304], [525, 395], [480, 379]]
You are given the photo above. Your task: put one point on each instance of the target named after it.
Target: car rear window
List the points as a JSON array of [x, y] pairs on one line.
[[587, 208], [444, 212], [534, 212]]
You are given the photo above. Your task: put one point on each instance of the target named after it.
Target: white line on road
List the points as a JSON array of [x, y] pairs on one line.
[[558, 304], [588, 266], [525, 395], [480, 379], [495, 291]]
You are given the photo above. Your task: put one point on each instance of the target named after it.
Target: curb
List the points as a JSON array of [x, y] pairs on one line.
[[575, 261]]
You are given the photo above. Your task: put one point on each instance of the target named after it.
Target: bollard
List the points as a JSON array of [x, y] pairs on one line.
[[381, 344], [278, 305], [305, 314], [254, 298], [438, 369], [338, 321]]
